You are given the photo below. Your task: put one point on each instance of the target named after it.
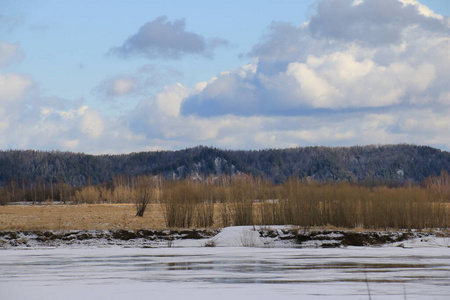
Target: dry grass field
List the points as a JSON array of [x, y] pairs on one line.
[[79, 217]]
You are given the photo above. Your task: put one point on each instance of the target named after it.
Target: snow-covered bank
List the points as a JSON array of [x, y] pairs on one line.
[[76, 238], [288, 236], [237, 236]]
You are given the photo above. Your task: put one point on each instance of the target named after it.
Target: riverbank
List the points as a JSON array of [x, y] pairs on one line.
[[238, 236]]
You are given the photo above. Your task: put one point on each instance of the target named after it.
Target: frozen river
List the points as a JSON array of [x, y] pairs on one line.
[[225, 273]]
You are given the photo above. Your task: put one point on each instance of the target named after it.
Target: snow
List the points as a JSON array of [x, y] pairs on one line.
[[235, 236], [242, 265]]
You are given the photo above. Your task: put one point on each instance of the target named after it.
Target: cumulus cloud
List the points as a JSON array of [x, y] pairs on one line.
[[375, 22], [162, 39], [350, 55], [13, 90], [160, 121], [150, 115], [30, 121], [340, 81], [236, 92]]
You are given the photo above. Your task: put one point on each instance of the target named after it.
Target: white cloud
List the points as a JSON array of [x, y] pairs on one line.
[[340, 81], [92, 124], [399, 60], [317, 92], [168, 102], [423, 9], [13, 87]]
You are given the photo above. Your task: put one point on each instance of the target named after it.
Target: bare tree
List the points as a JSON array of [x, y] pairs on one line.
[[146, 191]]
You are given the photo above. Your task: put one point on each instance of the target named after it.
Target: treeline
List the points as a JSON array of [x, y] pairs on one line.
[[43, 172]]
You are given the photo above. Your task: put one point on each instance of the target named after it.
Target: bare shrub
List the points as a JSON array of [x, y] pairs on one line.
[[89, 194], [225, 213], [352, 206], [179, 204], [204, 213], [242, 196], [439, 186], [123, 194]]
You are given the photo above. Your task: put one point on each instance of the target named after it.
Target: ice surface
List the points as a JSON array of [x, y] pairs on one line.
[[225, 273], [241, 265]]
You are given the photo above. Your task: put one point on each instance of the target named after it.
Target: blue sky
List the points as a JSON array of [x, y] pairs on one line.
[[128, 76]]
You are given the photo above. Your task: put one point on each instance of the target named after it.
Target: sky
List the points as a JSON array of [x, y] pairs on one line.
[[110, 77]]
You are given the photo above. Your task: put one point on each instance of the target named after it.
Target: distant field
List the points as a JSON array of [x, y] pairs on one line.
[[80, 217]]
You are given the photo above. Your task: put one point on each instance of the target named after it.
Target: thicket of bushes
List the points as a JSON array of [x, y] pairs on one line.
[[244, 200]]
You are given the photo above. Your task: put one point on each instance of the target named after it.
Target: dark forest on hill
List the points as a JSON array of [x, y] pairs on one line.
[[369, 164]]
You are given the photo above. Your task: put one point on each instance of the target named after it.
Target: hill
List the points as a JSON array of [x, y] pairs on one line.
[[387, 163]]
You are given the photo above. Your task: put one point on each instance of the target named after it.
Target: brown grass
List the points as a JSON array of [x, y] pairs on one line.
[[119, 216], [79, 217]]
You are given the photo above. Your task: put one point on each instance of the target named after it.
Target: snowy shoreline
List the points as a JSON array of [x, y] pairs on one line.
[[236, 236]]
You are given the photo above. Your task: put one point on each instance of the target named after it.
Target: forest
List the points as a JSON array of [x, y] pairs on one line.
[[37, 176]]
